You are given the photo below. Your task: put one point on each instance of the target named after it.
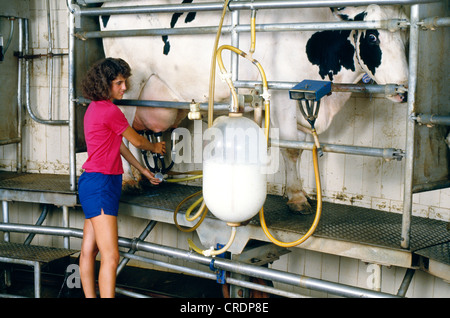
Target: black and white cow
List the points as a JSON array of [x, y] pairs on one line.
[[177, 67]]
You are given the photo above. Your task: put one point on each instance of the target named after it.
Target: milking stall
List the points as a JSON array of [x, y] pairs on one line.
[[295, 168]]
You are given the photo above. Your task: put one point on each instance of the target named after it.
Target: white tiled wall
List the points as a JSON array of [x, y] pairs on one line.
[[361, 181]]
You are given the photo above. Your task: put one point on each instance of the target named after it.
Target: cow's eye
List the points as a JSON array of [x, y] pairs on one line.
[[372, 38]]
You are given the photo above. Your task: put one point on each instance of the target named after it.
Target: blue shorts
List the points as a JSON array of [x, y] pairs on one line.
[[98, 191]]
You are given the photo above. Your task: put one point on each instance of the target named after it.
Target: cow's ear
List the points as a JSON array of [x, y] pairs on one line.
[[350, 13], [374, 10], [338, 12], [105, 19]]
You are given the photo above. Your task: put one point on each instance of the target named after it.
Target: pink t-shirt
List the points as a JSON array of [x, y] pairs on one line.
[[104, 124]]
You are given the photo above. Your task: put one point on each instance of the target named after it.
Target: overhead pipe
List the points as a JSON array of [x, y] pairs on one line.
[[239, 5], [392, 25], [217, 263]]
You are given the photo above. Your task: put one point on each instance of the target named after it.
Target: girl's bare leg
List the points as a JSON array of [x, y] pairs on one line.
[[106, 237], [88, 253]]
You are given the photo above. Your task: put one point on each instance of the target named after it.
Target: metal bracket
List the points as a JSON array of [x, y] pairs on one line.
[[220, 273]]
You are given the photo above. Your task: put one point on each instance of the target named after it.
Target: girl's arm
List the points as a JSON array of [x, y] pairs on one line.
[[126, 153], [141, 142]]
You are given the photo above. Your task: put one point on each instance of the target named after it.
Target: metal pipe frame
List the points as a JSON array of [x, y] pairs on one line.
[[212, 276], [37, 271], [27, 85], [217, 263]]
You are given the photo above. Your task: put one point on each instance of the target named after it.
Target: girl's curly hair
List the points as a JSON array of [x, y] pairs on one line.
[[96, 84]]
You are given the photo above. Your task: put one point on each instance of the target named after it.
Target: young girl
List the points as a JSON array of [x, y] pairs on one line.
[[100, 184]]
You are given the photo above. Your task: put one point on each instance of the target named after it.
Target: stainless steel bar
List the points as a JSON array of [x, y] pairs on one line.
[[72, 104], [224, 264], [130, 293], [280, 27], [385, 153], [240, 5], [165, 104], [212, 276], [5, 215], [37, 279], [50, 64], [19, 99], [65, 223], [410, 127], [264, 273], [388, 89], [432, 119], [435, 22]]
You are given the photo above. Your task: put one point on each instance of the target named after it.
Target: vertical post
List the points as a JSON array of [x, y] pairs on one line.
[[410, 126], [19, 99], [65, 222], [72, 155], [234, 42], [5, 212], [37, 280]]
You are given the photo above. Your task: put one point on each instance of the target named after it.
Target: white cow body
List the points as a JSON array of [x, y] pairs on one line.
[[183, 74]]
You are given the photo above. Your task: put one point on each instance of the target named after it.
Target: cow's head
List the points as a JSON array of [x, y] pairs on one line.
[[378, 53]]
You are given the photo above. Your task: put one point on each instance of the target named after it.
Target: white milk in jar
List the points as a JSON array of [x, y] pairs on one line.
[[234, 182], [233, 192]]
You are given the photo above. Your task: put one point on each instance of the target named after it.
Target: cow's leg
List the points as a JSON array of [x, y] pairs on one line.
[[284, 117], [297, 199]]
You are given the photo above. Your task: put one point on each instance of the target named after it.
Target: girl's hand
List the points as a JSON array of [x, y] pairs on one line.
[[150, 176], [159, 147]]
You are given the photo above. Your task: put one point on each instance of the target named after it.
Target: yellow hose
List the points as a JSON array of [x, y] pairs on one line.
[[184, 179], [253, 32], [211, 251], [203, 209], [213, 67], [265, 95], [316, 219]]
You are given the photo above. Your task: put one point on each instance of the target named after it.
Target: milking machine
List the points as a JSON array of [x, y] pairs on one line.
[[234, 162], [159, 167]]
